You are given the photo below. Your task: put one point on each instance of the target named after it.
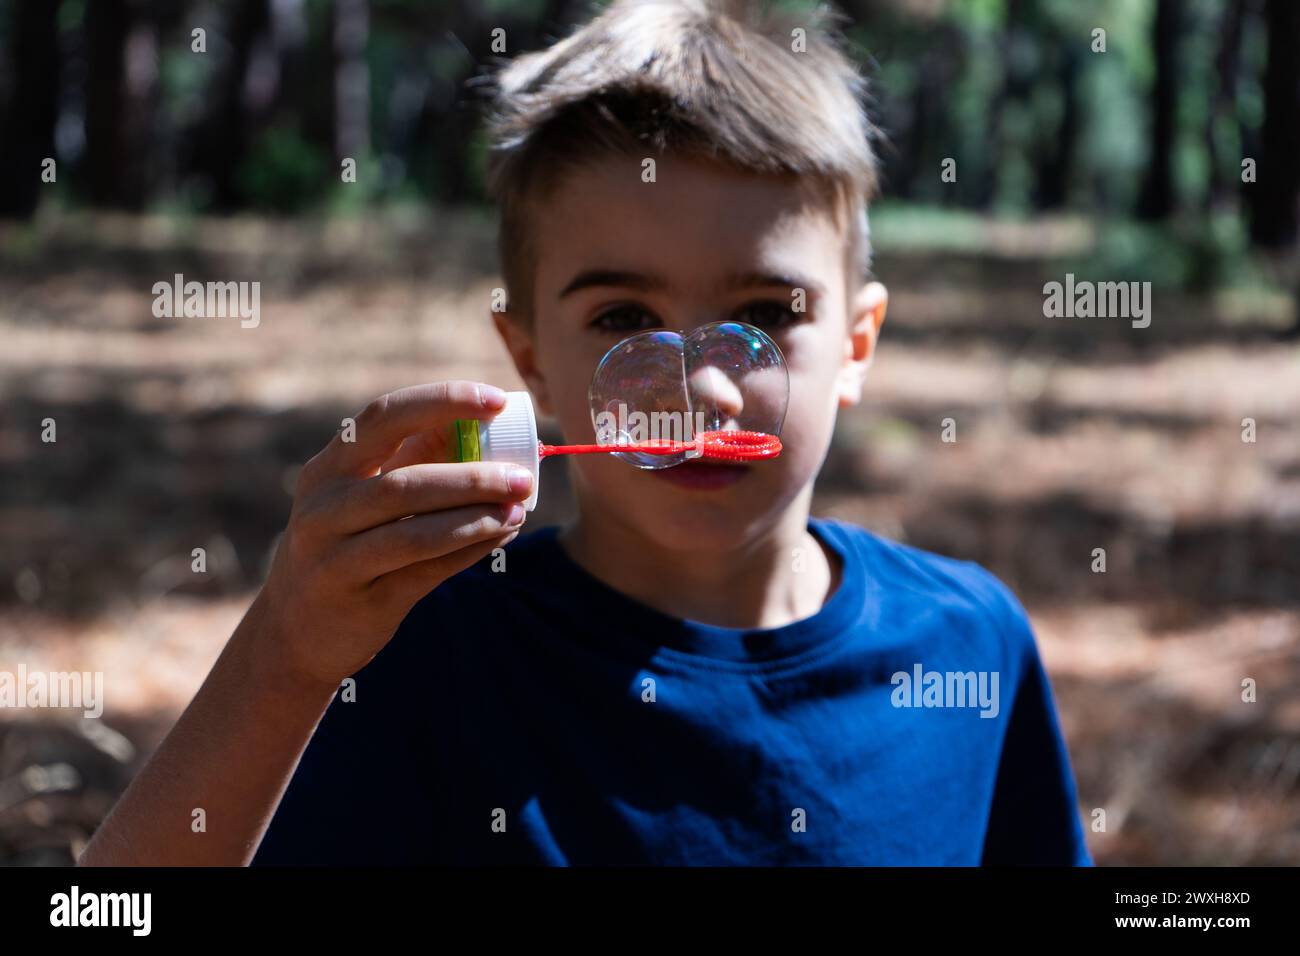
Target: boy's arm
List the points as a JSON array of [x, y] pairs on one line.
[[230, 755], [374, 528], [1034, 817]]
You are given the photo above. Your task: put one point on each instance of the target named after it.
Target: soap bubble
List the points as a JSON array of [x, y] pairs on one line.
[[727, 376]]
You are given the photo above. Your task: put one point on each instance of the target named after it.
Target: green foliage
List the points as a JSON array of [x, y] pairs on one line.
[[353, 197], [283, 173], [910, 227], [1195, 254], [72, 13]]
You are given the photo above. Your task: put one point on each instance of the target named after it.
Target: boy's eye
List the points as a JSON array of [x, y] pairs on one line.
[[625, 320], [769, 314]]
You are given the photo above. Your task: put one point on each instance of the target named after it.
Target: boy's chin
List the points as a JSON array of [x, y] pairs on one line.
[[692, 507], [694, 530], [698, 508]]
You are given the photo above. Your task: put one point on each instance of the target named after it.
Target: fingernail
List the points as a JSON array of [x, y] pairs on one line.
[[520, 480], [515, 515], [490, 396]]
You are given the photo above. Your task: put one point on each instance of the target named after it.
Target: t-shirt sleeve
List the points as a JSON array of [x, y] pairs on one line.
[[363, 791], [1034, 819]]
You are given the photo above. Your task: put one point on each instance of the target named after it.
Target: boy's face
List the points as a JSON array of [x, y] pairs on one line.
[[701, 244]]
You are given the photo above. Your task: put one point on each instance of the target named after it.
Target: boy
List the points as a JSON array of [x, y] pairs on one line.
[[694, 672]]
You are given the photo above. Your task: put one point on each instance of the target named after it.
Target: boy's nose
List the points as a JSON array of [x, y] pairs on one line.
[[712, 389]]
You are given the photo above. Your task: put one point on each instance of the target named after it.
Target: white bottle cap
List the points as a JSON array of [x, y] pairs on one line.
[[512, 437]]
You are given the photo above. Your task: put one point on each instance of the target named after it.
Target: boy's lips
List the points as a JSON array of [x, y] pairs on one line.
[[702, 475]]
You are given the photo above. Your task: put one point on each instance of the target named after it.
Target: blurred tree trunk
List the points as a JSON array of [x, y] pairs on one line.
[[1156, 200], [1274, 198], [1057, 161], [1223, 105], [914, 145], [1017, 83], [140, 96], [106, 25], [33, 108], [1294, 331], [122, 92], [924, 150], [351, 79], [291, 88], [310, 82], [223, 137]]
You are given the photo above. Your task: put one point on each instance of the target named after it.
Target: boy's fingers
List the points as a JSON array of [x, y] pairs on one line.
[[427, 447], [385, 422], [397, 544], [407, 585], [420, 489]]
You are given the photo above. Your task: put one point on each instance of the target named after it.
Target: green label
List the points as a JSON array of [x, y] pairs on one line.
[[466, 440]]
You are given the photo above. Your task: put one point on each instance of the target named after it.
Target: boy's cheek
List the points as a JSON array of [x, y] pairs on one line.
[[572, 411], [814, 398], [566, 375]]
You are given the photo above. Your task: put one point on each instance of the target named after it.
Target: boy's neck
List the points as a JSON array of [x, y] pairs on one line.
[[754, 586]]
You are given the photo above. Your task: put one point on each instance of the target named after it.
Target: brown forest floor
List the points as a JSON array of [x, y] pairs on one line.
[[1072, 435]]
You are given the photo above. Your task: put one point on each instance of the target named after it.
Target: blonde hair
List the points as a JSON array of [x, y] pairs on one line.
[[716, 79]]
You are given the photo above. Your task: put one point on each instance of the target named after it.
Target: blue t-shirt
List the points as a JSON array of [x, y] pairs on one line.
[[534, 715]]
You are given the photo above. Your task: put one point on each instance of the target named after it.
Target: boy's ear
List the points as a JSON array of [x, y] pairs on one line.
[[867, 314], [518, 339]]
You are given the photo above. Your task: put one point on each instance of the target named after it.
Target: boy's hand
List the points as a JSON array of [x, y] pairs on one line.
[[379, 522]]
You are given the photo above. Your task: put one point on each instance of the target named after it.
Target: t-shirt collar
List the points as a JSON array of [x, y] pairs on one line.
[[690, 641]]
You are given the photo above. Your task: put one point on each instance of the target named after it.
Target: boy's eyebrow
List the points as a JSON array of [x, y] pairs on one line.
[[759, 280], [596, 278]]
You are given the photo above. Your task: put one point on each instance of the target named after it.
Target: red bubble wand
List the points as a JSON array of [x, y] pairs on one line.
[[718, 445], [511, 436]]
